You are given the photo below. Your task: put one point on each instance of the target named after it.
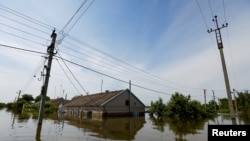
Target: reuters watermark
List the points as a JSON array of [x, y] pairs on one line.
[[239, 132]]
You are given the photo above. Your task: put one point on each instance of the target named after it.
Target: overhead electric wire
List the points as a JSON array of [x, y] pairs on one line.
[[224, 9], [131, 66], [68, 77], [111, 76], [140, 70], [22, 49], [210, 7], [63, 29], [16, 21], [229, 44], [76, 78], [115, 68], [40, 23], [81, 16], [72, 74], [203, 17], [23, 38], [33, 75], [74, 15], [18, 14], [23, 31]]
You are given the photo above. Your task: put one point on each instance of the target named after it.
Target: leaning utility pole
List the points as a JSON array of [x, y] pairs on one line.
[[235, 102], [214, 101], [50, 51], [205, 100], [220, 47]]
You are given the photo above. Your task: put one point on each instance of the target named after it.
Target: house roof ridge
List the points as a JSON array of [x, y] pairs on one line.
[[96, 99]]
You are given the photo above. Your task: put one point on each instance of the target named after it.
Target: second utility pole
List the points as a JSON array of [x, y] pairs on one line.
[[220, 47], [51, 53]]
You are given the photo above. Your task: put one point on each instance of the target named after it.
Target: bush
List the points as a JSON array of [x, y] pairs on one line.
[[2, 105]]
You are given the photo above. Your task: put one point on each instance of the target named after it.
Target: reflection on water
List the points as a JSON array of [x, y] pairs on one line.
[[23, 127], [122, 128], [180, 128]]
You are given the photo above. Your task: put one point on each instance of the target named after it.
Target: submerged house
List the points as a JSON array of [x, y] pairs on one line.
[[109, 103]]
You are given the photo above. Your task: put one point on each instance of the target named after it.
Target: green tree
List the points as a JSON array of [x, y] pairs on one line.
[[182, 107], [243, 101], [38, 98], [158, 108], [2, 105], [224, 108], [211, 108], [177, 107], [27, 97]]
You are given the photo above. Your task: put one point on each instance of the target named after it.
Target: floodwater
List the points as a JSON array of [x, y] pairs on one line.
[[23, 127]]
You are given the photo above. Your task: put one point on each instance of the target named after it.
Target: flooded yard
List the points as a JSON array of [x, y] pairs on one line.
[[23, 127]]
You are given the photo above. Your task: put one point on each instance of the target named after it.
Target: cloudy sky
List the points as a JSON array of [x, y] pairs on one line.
[[160, 46]]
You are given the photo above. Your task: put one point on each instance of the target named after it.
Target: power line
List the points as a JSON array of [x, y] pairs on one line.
[[73, 74], [23, 31], [23, 38], [74, 15], [33, 75], [149, 74], [16, 21], [62, 31], [81, 15], [27, 50], [203, 17], [224, 9], [68, 77], [76, 80], [210, 7], [127, 64], [18, 14], [111, 76], [136, 85], [130, 73]]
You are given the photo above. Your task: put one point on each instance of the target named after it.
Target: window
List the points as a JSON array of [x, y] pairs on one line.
[[127, 102]]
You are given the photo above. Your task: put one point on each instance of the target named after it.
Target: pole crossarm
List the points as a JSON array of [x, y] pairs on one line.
[[217, 32]]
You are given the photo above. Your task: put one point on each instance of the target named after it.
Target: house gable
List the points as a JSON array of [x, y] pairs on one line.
[[122, 102]]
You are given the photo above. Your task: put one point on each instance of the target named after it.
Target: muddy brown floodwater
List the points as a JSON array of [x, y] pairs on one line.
[[23, 127]]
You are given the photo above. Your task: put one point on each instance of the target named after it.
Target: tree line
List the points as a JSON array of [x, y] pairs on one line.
[[28, 103], [183, 107]]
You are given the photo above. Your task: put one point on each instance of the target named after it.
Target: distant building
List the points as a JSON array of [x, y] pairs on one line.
[[109, 103], [59, 101]]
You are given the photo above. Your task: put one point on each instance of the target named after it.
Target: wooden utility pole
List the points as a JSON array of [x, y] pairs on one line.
[[214, 100], [205, 100], [129, 97], [50, 51], [220, 47], [235, 102], [19, 92]]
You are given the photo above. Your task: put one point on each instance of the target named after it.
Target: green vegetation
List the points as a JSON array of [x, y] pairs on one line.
[[242, 101], [26, 104], [2, 105], [38, 98], [182, 107]]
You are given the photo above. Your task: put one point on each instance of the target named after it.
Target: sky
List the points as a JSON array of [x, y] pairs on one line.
[[160, 47]]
